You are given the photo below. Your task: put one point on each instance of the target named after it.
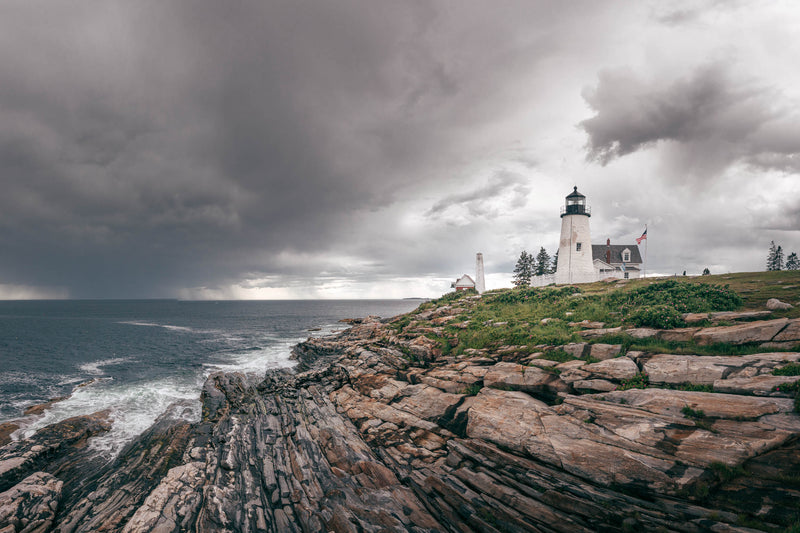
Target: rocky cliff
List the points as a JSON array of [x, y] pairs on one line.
[[378, 429]]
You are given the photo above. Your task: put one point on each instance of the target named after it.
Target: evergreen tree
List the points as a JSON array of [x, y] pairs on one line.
[[778, 259], [706, 272], [523, 272], [542, 262], [772, 256], [555, 263], [792, 263]]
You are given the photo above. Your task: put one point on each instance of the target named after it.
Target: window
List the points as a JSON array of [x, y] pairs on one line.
[[626, 256], [578, 247], [626, 275]]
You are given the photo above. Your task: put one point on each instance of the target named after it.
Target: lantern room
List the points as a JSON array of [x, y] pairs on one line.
[[576, 204]]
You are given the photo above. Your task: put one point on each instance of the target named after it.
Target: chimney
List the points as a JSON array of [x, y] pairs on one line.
[[480, 285], [608, 251]]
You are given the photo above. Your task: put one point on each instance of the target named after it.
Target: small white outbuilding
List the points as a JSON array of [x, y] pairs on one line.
[[463, 283]]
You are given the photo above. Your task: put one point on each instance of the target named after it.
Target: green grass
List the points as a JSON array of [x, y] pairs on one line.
[[792, 369], [472, 390], [727, 473]]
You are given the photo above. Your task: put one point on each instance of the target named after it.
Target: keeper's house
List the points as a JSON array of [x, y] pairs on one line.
[[616, 260]]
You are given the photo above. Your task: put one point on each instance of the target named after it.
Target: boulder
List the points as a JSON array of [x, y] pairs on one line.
[[677, 334], [604, 351], [541, 363], [790, 333], [426, 402], [451, 380], [598, 385], [694, 318], [669, 368], [706, 370], [740, 315], [732, 429], [511, 376], [670, 403], [572, 371], [6, 429], [424, 348], [642, 333], [634, 355], [616, 369], [575, 349], [511, 419], [587, 324], [594, 333], [775, 304], [760, 331], [761, 385]]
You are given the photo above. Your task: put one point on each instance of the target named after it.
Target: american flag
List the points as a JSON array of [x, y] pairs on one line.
[[643, 237]]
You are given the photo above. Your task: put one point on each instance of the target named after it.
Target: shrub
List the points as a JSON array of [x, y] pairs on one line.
[[665, 302], [791, 387], [656, 316], [533, 294], [788, 387], [688, 412], [639, 381]]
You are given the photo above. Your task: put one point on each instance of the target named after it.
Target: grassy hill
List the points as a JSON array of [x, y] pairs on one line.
[[531, 317]]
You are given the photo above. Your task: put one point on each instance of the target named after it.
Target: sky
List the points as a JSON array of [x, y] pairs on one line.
[[368, 149]]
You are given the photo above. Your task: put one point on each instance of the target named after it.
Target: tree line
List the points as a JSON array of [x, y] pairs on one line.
[[775, 259], [529, 266]]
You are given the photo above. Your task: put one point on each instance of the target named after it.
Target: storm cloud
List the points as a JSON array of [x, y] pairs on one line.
[[285, 149], [708, 119]]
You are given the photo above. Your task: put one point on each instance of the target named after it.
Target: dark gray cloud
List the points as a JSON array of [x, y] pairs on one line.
[[150, 145], [707, 121]]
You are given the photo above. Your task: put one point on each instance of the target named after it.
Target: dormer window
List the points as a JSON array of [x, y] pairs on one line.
[[626, 256]]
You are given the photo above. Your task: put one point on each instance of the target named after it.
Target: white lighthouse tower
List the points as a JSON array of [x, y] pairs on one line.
[[575, 245]]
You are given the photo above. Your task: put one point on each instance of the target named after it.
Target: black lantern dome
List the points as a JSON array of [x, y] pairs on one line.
[[576, 204]]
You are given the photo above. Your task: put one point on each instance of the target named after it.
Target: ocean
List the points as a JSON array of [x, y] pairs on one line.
[[138, 357]]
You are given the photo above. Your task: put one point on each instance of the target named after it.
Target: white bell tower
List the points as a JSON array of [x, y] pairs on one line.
[[575, 263]]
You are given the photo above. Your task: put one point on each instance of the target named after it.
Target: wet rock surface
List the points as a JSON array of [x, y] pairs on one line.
[[374, 431]]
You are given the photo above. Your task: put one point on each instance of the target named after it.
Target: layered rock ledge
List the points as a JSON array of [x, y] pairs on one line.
[[373, 432]]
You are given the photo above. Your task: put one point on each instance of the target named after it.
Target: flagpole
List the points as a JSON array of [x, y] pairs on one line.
[[645, 251]]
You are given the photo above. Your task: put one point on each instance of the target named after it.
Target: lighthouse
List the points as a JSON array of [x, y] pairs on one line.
[[575, 245]]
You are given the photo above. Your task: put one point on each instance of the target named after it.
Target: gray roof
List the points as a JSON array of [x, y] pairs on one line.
[[575, 193], [599, 252]]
